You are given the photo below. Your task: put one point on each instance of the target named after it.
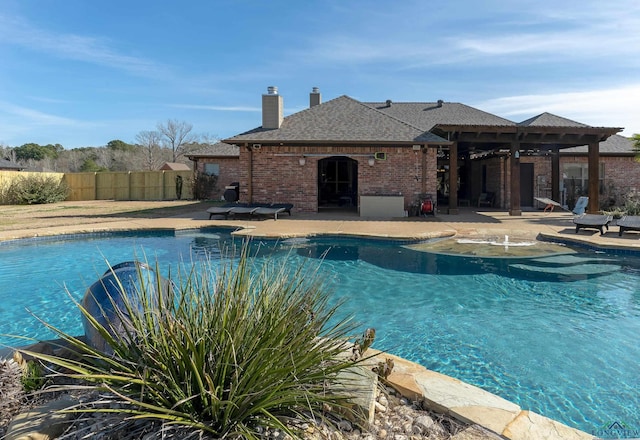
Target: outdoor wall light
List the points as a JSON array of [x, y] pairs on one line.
[[302, 161], [371, 161], [517, 154]]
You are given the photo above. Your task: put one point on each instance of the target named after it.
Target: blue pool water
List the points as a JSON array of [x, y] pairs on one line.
[[556, 336]]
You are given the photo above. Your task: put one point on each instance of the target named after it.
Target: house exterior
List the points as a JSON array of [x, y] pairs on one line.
[[347, 154], [8, 165], [221, 161], [174, 166]]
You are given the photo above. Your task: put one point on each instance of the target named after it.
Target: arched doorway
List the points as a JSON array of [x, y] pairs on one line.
[[338, 183]]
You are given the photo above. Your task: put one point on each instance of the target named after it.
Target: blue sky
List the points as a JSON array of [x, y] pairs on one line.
[[81, 73]]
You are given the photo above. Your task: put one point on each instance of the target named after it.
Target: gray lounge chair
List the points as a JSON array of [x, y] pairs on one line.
[[269, 211], [286, 206], [629, 223], [592, 221], [243, 210], [220, 210]]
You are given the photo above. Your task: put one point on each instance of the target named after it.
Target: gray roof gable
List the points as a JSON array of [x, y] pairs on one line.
[[550, 120], [615, 144], [219, 149], [427, 115], [10, 165], [342, 119]]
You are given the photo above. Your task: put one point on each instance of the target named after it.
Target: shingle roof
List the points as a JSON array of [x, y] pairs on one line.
[[550, 120], [427, 115], [175, 166], [342, 119], [9, 165], [219, 149], [615, 144]]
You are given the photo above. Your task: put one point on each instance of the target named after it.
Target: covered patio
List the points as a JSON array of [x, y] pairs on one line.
[[544, 135]]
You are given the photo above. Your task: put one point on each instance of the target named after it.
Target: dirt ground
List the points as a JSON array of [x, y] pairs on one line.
[[14, 217]]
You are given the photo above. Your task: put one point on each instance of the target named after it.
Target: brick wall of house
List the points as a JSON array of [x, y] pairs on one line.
[[278, 176], [229, 172], [621, 174], [496, 174], [541, 176]]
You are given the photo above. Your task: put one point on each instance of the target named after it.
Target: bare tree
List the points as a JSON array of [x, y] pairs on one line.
[[150, 142], [6, 152], [176, 135], [209, 139]]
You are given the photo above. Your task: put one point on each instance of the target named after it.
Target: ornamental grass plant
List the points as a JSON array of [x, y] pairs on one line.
[[228, 352]]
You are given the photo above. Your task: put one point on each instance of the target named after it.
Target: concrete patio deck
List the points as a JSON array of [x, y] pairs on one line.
[[470, 222]]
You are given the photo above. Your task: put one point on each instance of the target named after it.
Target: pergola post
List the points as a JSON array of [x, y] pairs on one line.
[[594, 178], [555, 175], [515, 208], [423, 167], [453, 179]]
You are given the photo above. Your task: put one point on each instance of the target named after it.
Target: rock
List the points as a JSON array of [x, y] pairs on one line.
[[476, 432], [39, 347], [423, 424], [380, 407], [42, 423], [345, 426]]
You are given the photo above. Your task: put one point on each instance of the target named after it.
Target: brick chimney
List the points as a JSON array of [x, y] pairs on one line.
[[314, 97], [272, 108]]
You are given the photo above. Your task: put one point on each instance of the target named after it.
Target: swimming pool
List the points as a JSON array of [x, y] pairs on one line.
[[556, 335]]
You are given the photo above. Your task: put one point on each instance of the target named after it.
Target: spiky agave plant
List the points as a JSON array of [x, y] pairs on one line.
[[227, 351]]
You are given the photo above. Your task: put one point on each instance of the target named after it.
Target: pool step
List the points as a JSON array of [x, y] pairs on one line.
[[565, 267]]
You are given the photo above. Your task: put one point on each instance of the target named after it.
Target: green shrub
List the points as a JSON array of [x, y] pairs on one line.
[[204, 185], [229, 354], [34, 189], [632, 203], [32, 378]]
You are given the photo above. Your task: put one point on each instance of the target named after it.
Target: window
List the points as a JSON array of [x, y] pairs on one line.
[[577, 174], [212, 169], [575, 181]]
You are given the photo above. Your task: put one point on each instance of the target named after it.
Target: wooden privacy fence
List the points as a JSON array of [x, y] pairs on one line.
[[6, 177], [126, 185]]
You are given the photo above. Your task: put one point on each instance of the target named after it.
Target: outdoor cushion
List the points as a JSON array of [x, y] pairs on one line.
[[629, 223], [592, 221], [264, 211]]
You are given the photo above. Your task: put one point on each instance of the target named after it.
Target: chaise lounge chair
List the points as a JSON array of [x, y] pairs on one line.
[[250, 209], [286, 206], [243, 210], [231, 209], [592, 221], [221, 210], [629, 223], [267, 211], [549, 204]]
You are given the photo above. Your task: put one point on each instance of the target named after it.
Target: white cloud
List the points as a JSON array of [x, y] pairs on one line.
[[70, 46], [27, 116], [614, 107]]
